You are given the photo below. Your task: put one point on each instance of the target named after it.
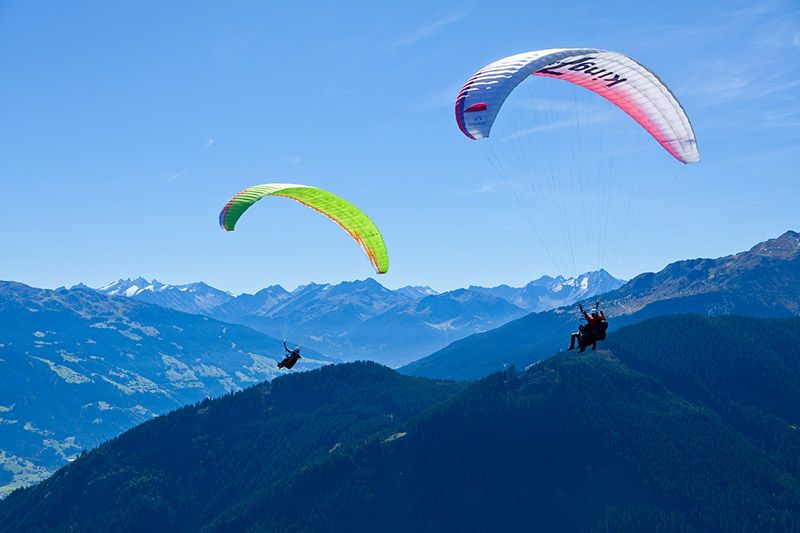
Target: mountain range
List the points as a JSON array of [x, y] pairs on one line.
[[761, 282], [194, 298], [81, 365], [684, 423], [78, 367], [549, 293], [363, 319]]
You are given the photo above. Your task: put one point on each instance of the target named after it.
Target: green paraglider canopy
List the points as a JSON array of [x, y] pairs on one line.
[[348, 216]]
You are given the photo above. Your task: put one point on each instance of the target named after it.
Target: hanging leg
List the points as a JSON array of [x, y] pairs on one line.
[[572, 339]]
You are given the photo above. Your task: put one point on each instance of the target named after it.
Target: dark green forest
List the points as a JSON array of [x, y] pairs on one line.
[[679, 423]]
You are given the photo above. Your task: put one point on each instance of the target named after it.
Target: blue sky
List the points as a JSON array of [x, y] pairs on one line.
[[126, 126]]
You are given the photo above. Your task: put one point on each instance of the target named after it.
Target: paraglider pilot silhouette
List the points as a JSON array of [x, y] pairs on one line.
[[291, 358], [594, 330]]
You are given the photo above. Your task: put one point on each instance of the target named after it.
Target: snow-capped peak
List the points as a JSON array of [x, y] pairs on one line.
[[127, 287], [191, 298], [131, 291], [416, 292]]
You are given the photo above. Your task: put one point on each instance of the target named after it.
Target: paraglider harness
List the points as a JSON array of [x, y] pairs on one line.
[[589, 334], [292, 356]]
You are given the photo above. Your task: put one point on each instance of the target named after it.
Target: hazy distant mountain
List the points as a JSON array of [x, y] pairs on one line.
[[548, 293], [414, 329], [78, 367], [250, 304], [761, 282], [195, 298], [320, 311], [416, 291], [347, 320], [672, 435], [364, 320]]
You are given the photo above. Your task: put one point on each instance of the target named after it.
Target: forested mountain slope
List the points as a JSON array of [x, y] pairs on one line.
[[684, 423]]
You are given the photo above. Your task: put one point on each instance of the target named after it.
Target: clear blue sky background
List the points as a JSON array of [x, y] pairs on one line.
[[127, 125]]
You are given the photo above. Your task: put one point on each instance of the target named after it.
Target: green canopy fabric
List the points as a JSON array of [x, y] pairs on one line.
[[348, 216]]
